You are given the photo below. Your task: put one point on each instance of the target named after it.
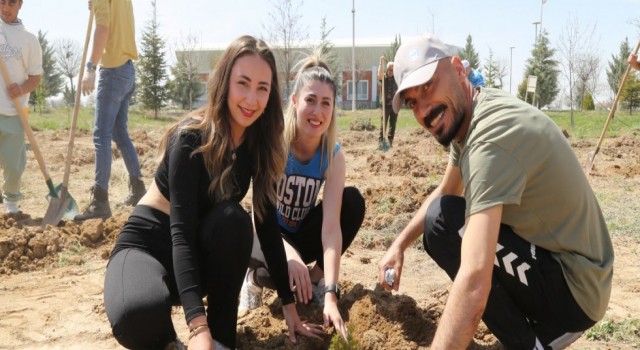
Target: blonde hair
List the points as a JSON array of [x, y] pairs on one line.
[[263, 137], [312, 69]]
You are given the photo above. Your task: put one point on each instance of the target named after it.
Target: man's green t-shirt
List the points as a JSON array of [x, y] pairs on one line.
[[516, 156]]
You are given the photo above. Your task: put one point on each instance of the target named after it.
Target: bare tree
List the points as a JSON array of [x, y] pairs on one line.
[[68, 57], [587, 76], [186, 86], [575, 47], [284, 30]]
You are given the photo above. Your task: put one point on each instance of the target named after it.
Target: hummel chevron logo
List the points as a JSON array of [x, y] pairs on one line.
[[507, 263]]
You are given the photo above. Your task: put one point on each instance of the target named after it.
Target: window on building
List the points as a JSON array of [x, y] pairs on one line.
[[362, 87]]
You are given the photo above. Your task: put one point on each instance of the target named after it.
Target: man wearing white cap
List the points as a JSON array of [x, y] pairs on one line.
[[514, 222]]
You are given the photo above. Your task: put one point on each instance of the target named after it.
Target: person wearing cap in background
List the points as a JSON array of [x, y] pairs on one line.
[[633, 61], [114, 47], [475, 78], [389, 117], [22, 56], [514, 221]]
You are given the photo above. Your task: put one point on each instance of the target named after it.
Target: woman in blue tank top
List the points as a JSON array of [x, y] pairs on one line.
[[312, 232]]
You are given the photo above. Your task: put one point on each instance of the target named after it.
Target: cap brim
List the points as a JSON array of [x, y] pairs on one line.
[[415, 78]]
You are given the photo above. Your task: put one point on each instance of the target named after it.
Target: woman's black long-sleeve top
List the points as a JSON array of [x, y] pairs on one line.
[[183, 179]]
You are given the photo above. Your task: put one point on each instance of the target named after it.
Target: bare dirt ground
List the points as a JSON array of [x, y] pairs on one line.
[[51, 279]]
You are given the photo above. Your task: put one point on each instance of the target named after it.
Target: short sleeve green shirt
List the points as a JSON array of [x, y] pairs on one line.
[[516, 156]]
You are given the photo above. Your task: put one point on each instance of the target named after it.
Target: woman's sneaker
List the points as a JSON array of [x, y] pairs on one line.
[[250, 294]]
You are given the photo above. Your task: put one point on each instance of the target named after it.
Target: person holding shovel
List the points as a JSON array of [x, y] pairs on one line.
[[114, 47], [514, 221], [633, 61], [312, 232], [189, 236], [22, 56], [389, 116]]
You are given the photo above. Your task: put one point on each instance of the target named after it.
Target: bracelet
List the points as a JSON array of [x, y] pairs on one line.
[[196, 330]]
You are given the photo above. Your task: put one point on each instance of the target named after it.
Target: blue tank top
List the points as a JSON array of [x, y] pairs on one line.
[[298, 189]]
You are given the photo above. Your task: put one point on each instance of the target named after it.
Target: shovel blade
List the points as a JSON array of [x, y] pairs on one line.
[[589, 163], [384, 145], [72, 209], [58, 207]]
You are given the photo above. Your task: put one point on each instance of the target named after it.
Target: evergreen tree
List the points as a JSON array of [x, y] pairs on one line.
[[630, 95], [545, 67], [327, 54], [186, 87], [51, 80], [390, 53], [587, 102], [151, 67], [618, 65], [469, 53], [491, 72]]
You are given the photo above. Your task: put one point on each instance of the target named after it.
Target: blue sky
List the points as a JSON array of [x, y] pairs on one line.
[[493, 24]]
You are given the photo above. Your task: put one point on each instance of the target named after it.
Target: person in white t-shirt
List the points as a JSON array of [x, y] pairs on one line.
[[22, 55]]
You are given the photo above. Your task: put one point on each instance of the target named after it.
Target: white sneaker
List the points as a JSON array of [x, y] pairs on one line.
[[318, 292], [250, 294], [10, 207]]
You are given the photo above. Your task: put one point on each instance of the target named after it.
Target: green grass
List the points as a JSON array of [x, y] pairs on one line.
[[608, 330], [72, 255], [590, 124], [60, 118], [587, 124]]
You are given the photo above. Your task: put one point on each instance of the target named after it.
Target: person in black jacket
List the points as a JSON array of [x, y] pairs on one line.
[[189, 237]]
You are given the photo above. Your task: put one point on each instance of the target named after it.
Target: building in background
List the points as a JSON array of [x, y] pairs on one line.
[[366, 66]]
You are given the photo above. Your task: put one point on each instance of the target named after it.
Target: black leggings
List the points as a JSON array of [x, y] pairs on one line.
[[308, 240], [140, 287], [529, 299]]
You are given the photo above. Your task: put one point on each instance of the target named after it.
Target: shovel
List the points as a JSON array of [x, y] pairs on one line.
[[384, 143], [72, 208], [591, 156], [57, 206]]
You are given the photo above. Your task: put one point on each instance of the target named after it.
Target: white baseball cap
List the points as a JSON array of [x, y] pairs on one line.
[[415, 63]]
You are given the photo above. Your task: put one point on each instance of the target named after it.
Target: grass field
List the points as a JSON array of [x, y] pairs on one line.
[[588, 124]]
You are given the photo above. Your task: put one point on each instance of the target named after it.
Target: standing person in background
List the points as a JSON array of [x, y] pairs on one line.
[[633, 61], [114, 47], [514, 221], [475, 78], [22, 57], [312, 232], [189, 237], [389, 116]]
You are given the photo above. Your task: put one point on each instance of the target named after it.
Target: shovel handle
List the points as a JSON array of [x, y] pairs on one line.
[[25, 124], [589, 164], [76, 107]]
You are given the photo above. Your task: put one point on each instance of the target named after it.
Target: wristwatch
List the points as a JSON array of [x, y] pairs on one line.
[[91, 67], [332, 288]]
